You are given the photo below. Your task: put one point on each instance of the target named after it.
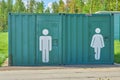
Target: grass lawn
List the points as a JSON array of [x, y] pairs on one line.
[[3, 46], [117, 51]]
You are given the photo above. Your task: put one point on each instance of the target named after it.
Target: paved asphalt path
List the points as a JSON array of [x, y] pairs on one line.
[[85, 72]]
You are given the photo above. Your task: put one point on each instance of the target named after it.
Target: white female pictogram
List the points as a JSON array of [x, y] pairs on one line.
[[97, 43], [45, 45]]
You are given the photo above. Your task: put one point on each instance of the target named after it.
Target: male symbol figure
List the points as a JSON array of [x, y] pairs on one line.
[[97, 43], [45, 44]]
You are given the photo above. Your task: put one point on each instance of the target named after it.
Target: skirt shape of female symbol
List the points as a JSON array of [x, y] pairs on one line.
[[45, 45], [97, 43]]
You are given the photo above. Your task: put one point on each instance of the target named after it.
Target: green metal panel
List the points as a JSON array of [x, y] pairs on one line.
[[10, 41], [116, 22], [78, 30], [71, 38], [22, 39], [104, 23], [53, 24], [85, 40], [117, 26]]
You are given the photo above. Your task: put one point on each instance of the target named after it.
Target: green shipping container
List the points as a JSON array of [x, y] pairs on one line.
[[60, 39]]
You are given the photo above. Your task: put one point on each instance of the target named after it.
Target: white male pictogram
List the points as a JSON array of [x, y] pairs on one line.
[[45, 45]]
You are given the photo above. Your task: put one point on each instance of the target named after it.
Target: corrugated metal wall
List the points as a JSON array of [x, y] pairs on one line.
[[22, 39], [117, 26], [77, 34], [71, 33], [73, 38], [116, 22], [53, 24]]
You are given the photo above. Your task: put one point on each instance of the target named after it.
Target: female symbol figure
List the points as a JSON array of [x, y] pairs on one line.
[[45, 45], [97, 43]]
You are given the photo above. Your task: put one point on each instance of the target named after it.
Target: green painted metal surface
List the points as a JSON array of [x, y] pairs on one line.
[[117, 26], [53, 24], [71, 36], [22, 39], [105, 23], [78, 31], [116, 22]]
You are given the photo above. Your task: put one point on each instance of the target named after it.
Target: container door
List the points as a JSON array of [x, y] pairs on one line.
[[48, 41], [99, 40]]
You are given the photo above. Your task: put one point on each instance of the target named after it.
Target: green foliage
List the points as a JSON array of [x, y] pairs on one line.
[[19, 6], [79, 6], [61, 6], [9, 5], [3, 16], [3, 7], [3, 46], [39, 7], [31, 6], [75, 6], [47, 10], [55, 7]]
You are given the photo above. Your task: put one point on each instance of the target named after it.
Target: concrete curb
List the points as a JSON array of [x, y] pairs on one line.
[[5, 67], [9, 68]]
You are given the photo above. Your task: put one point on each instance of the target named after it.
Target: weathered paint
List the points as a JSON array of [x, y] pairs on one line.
[[71, 37]]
